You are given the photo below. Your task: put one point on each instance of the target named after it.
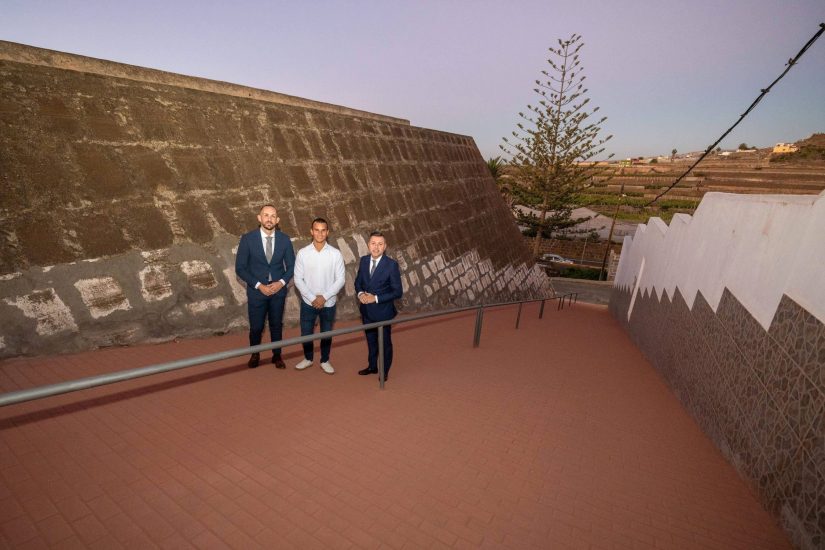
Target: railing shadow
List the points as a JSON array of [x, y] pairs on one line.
[[23, 419], [120, 376]]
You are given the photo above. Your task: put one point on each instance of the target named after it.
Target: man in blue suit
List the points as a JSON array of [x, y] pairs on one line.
[[378, 285], [265, 261]]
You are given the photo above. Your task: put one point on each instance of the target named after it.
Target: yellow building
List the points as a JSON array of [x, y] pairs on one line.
[[785, 148]]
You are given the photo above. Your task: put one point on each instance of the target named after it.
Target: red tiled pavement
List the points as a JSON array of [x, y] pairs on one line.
[[556, 435]]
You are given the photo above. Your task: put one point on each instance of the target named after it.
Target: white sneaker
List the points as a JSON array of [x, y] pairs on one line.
[[327, 368], [306, 363]]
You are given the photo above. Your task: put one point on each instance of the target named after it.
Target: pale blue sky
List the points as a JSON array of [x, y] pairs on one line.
[[666, 73]]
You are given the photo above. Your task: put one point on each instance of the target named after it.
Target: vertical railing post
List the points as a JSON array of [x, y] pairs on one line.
[[541, 310], [558, 306], [518, 317], [576, 295], [381, 357], [477, 333]]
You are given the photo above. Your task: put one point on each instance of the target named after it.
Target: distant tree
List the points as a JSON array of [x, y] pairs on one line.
[[654, 161], [496, 167], [718, 150], [672, 155], [743, 147], [552, 150]]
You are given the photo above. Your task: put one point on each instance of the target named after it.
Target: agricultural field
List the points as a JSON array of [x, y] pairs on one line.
[[758, 172]]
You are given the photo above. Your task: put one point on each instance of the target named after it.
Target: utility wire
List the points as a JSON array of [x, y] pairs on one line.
[[791, 62]]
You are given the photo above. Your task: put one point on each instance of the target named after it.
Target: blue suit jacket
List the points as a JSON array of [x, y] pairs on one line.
[[385, 283], [252, 267]]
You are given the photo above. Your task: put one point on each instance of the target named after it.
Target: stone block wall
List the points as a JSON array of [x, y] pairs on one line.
[[743, 348], [124, 192]]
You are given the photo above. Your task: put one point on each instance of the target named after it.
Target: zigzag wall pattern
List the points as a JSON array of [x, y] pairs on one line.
[[753, 377]]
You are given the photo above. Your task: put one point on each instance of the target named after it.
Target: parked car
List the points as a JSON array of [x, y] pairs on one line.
[[553, 264], [548, 258]]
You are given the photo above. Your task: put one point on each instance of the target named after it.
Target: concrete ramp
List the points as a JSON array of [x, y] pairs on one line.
[[557, 435]]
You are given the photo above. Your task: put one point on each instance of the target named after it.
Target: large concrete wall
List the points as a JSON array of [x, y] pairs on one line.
[[124, 191], [729, 306]]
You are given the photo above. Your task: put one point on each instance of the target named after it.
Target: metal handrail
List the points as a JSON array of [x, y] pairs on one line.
[[40, 392]]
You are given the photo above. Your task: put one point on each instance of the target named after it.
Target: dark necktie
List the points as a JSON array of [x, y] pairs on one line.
[[372, 267]]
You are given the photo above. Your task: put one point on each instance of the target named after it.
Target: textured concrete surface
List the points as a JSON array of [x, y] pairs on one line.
[[125, 191], [759, 395], [555, 435], [758, 247]]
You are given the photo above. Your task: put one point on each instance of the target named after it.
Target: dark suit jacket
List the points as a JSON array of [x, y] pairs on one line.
[[252, 267], [385, 283]]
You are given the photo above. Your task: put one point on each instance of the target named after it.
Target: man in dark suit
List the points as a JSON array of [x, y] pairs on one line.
[[265, 261], [378, 285]]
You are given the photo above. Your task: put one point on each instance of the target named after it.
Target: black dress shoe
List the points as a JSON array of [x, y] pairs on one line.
[[366, 371], [254, 359], [278, 362]]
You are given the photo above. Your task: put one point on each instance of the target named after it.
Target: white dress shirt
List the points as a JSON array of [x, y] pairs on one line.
[[372, 270], [263, 239], [377, 261], [319, 272]]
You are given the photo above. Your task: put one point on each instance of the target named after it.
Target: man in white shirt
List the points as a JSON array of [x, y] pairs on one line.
[[319, 276]]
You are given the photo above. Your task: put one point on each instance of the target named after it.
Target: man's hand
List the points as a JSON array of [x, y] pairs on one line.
[[367, 298], [271, 288], [319, 302]]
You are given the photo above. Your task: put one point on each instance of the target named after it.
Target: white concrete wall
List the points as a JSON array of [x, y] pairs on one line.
[[758, 246]]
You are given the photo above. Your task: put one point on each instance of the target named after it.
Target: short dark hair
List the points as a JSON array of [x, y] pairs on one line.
[[376, 233], [319, 220], [269, 204]]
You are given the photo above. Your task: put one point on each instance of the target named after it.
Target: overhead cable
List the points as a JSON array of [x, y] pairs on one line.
[[791, 62]]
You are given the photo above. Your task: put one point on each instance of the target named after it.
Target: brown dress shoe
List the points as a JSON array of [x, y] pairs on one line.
[[254, 359], [278, 362]]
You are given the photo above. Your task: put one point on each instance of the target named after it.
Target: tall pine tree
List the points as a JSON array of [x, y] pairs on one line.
[[553, 149]]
